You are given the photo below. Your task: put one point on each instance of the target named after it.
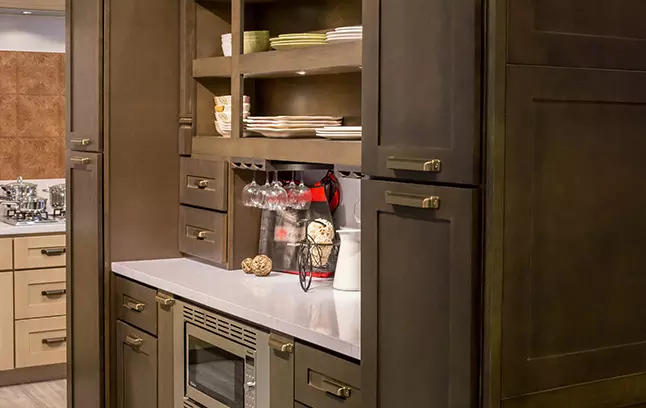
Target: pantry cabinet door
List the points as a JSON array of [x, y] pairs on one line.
[[573, 281], [84, 74], [419, 293], [85, 279], [421, 89]]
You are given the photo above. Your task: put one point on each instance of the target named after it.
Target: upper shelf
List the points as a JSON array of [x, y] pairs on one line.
[[315, 60]]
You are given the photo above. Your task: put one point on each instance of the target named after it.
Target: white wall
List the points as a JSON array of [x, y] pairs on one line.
[[32, 33]]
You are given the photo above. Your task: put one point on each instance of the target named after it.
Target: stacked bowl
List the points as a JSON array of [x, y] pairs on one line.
[[254, 41], [223, 113]]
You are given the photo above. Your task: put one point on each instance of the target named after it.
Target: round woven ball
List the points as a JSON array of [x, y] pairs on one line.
[[246, 265], [261, 265]]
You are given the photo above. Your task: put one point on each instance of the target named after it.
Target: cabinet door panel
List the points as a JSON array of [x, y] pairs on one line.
[[419, 290], [574, 228], [421, 89], [85, 278], [6, 321], [608, 34], [136, 368], [84, 74]]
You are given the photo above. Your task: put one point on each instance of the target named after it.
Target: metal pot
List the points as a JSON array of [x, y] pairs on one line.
[[20, 190], [29, 205], [57, 196]]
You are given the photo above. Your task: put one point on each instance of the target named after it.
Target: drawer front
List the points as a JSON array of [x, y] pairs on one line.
[[204, 183], [40, 293], [203, 234], [6, 254], [41, 341], [6, 322], [39, 252], [136, 305], [323, 380]]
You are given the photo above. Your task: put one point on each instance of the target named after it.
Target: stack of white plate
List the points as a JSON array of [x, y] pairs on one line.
[[290, 126], [297, 40], [254, 41], [223, 116], [344, 34], [340, 132]]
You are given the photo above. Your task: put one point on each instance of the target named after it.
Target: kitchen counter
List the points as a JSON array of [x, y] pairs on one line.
[[325, 317], [7, 230]]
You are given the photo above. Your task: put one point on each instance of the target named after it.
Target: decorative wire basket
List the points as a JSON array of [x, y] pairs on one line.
[[315, 258]]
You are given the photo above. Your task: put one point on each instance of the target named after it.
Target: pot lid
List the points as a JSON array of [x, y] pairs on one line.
[[20, 183], [58, 187]]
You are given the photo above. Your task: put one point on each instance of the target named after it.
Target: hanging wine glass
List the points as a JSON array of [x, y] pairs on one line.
[[263, 194], [277, 196], [302, 196], [290, 188], [249, 192]]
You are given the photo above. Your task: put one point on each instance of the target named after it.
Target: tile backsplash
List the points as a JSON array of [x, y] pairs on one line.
[[32, 115]]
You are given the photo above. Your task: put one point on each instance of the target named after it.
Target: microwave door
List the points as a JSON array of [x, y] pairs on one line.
[[215, 369]]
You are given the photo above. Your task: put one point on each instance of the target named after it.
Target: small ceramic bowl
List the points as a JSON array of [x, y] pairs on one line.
[[227, 108], [226, 100], [225, 117]]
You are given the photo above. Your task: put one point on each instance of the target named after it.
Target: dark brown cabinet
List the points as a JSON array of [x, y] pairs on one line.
[[281, 365], [574, 228], [419, 292], [421, 90], [577, 33], [136, 360], [84, 278]]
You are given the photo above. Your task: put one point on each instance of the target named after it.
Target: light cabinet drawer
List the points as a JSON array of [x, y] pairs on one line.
[[39, 252], [136, 304], [41, 341], [326, 381], [204, 183], [203, 234], [6, 254], [40, 293]]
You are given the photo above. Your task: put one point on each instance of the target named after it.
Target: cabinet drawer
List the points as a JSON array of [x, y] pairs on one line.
[[41, 341], [40, 293], [323, 380], [6, 254], [136, 305], [204, 183], [39, 252], [203, 234]]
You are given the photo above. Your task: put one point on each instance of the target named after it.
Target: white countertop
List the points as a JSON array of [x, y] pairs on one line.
[[7, 230], [328, 318]]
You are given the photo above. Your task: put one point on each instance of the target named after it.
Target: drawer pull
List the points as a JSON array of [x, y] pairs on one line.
[[406, 163], [133, 341], [137, 307], [413, 200], [202, 184], [53, 251], [81, 142], [54, 340], [80, 160], [164, 301], [278, 345], [324, 384], [202, 235], [55, 292]]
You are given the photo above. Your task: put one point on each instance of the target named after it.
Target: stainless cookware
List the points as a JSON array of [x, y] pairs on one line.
[[57, 196], [29, 205], [20, 190]]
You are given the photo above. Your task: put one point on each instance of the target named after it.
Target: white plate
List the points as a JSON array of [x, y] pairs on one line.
[[284, 133], [306, 118], [280, 47], [340, 137], [349, 29], [344, 128], [344, 37]]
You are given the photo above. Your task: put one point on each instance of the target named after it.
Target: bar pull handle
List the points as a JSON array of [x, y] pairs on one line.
[[412, 164], [134, 341], [329, 386], [165, 301], [54, 340], [137, 307], [55, 292], [81, 142], [280, 345], [413, 200], [80, 160], [53, 251]]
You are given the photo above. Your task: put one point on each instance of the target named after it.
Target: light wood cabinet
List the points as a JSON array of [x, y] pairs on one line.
[[40, 293], [39, 252], [6, 254], [41, 341], [6, 321]]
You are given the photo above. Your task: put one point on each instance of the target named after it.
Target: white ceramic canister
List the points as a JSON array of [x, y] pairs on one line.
[[348, 267]]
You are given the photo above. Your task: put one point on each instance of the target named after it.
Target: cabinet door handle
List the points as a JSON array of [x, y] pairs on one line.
[[54, 340], [202, 184], [80, 160], [55, 292], [329, 386], [137, 307], [53, 251], [134, 341], [278, 345], [164, 301], [81, 142], [407, 163], [413, 200], [202, 235]]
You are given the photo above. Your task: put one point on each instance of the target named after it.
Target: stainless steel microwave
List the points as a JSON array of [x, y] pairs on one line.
[[225, 362]]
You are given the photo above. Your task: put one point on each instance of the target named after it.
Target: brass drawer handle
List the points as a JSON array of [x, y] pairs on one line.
[[164, 301], [53, 251], [133, 341], [406, 163], [202, 235], [329, 386], [202, 184], [413, 200], [137, 307], [278, 345], [81, 142], [80, 160], [54, 340], [55, 292]]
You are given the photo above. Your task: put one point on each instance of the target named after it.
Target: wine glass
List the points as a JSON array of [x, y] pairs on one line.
[[249, 192], [302, 196], [290, 188], [263, 193], [277, 196]]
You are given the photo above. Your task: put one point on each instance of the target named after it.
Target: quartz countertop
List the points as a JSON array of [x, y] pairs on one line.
[[7, 230], [325, 317]]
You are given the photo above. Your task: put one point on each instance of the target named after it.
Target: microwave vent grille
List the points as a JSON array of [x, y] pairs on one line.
[[223, 326]]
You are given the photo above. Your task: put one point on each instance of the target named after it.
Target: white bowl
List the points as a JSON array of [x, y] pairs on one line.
[[226, 99], [225, 117], [228, 108]]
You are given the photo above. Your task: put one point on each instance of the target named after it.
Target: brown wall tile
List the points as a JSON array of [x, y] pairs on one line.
[[39, 157], [9, 166], [8, 72], [8, 115], [38, 73], [40, 116]]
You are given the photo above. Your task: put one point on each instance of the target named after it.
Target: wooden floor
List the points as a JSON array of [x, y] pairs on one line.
[[50, 394]]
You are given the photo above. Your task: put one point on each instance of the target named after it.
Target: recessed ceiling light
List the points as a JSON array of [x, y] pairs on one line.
[[26, 12], [301, 73]]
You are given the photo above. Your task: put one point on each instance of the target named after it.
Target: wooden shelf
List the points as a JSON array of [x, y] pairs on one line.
[[347, 153], [216, 67]]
